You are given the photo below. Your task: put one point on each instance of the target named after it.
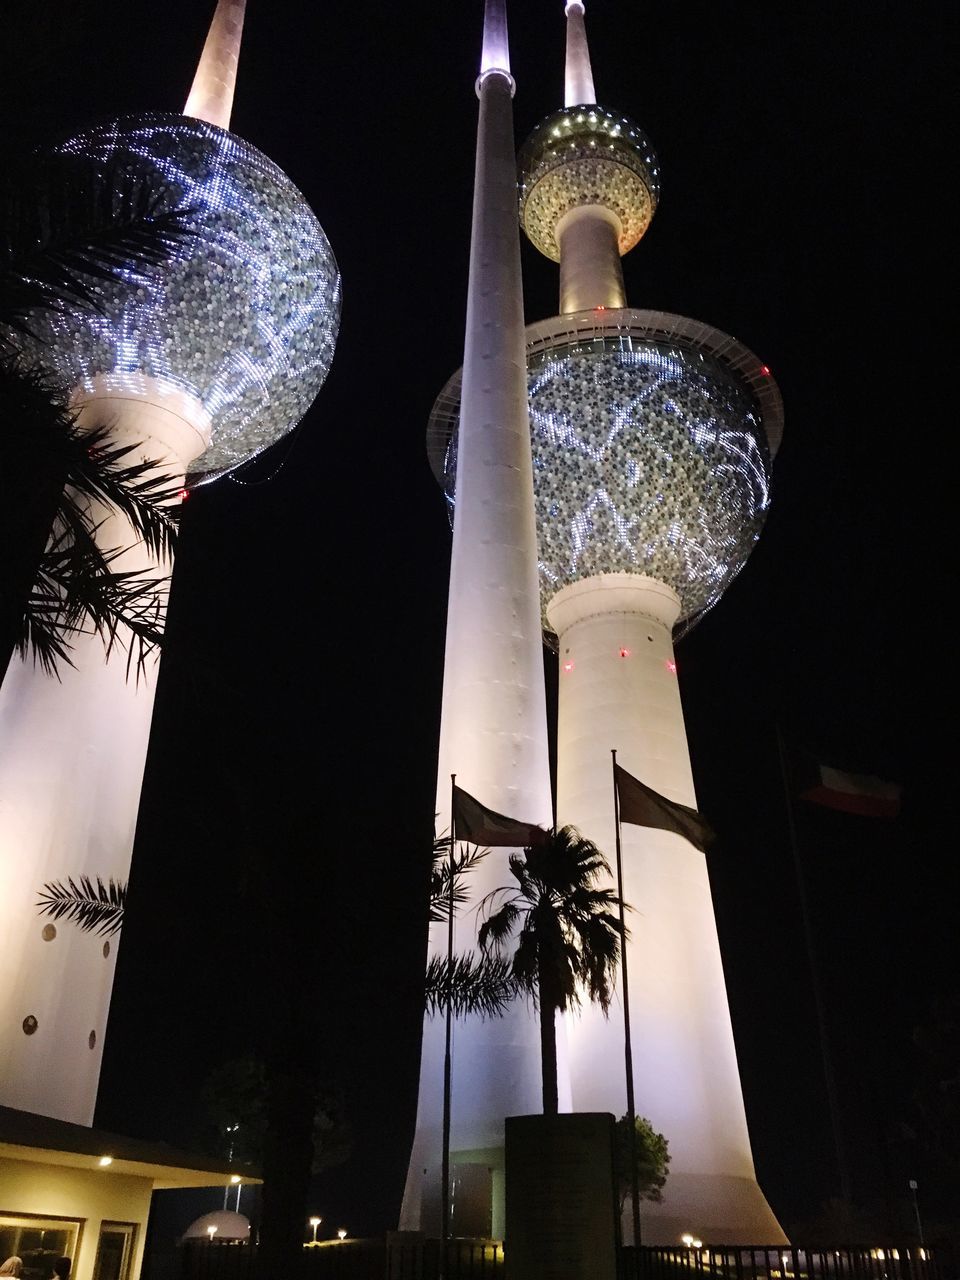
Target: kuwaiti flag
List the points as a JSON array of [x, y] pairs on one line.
[[644, 807], [858, 793], [477, 824]]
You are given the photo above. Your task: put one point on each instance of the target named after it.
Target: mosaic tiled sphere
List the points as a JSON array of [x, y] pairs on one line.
[[651, 444], [245, 315], [587, 155]]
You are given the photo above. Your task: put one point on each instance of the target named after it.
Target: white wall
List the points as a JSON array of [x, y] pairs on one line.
[[94, 1196]]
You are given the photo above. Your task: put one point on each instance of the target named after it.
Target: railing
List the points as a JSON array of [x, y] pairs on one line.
[[788, 1262], [412, 1258], [377, 1259], [406, 1259]]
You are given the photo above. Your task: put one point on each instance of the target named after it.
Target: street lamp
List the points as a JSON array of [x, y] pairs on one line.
[[315, 1222], [211, 1232], [230, 1130], [912, 1184], [342, 1233]]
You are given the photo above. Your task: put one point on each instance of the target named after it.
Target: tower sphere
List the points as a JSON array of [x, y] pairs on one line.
[[587, 155], [244, 318], [652, 443]]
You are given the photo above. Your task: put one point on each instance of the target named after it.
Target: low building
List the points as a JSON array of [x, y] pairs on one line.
[[70, 1191]]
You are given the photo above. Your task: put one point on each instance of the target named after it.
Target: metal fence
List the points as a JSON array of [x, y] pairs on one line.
[[377, 1259], [746, 1262], [410, 1258]]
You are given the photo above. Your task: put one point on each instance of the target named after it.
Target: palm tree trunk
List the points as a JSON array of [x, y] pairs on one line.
[[548, 1043]]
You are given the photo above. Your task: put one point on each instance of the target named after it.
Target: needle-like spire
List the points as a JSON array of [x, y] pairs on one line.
[[211, 96], [493, 725], [578, 85], [496, 49]]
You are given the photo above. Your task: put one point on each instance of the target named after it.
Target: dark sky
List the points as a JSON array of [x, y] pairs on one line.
[[298, 705]]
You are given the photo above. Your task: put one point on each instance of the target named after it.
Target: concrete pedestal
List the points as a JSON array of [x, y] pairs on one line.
[[561, 1198]]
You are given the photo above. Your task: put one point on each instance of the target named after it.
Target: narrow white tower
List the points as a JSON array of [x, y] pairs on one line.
[[198, 368], [493, 732], [652, 441]]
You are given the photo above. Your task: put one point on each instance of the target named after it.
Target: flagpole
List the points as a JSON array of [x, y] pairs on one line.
[[448, 1036], [825, 1058], [627, 1041]]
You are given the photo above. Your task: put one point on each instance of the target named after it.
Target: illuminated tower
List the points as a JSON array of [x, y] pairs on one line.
[[653, 437], [200, 369], [493, 732]]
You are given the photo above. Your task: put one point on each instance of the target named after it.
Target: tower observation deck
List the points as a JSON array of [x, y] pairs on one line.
[[652, 438]]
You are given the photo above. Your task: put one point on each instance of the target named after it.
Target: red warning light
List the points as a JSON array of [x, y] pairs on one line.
[[183, 494], [624, 653], [765, 370], [599, 308], [671, 665], [568, 666]]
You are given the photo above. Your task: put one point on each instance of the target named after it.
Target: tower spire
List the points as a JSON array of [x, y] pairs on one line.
[[495, 53], [211, 95], [578, 82]]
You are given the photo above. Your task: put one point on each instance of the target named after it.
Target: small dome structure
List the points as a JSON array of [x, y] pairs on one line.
[[229, 1226]]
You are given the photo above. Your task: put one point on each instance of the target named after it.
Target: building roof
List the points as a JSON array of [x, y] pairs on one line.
[[44, 1140]]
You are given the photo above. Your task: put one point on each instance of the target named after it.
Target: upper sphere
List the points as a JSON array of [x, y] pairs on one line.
[[244, 317], [581, 156]]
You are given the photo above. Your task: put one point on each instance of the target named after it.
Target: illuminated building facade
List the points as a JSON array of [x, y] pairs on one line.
[[652, 441], [199, 368], [493, 732]]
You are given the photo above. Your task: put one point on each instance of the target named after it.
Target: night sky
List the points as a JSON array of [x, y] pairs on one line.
[[298, 706]]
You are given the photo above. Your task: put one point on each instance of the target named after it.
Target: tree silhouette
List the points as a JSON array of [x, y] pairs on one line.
[[567, 934]]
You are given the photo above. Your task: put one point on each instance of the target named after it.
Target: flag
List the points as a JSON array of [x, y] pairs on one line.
[[477, 824], [850, 792], [644, 807]]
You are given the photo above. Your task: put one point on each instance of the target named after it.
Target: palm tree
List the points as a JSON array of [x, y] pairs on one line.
[[474, 984], [567, 934], [66, 227]]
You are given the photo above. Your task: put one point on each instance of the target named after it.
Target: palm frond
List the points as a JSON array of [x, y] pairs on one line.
[[567, 933], [465, 861], [150, 499], [499, 925], [70, 224], [78, 590], [94, 908], [479, 985]]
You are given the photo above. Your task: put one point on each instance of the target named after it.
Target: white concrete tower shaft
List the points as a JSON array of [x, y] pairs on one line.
[[493, 733], [72, 751], [72, 754], [590, 271], [618, 689]]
